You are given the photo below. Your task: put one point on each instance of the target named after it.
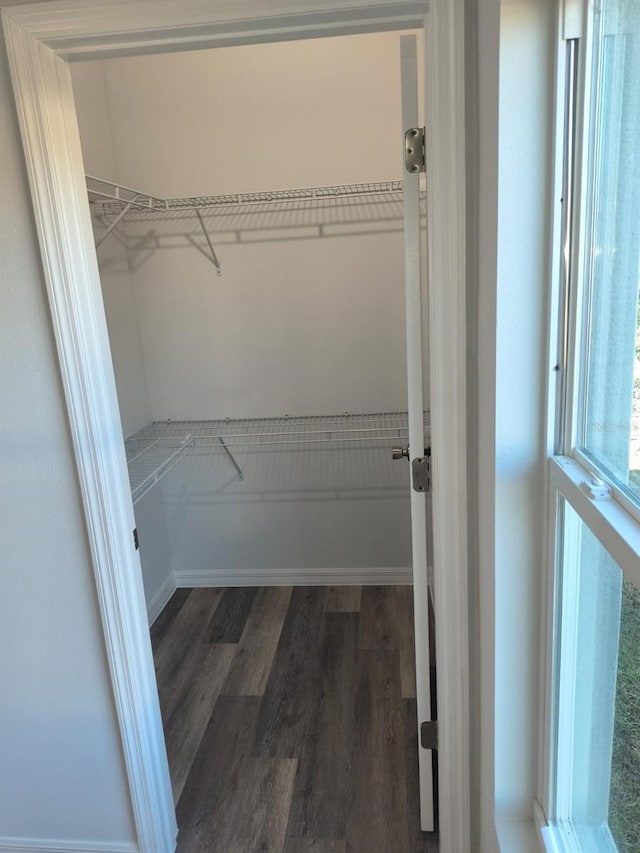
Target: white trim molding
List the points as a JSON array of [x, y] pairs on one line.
[[48, 124], [185, 578], [78, 30], [39, 38], [56, 845], [446, 215], [157, 604], [378, 576]]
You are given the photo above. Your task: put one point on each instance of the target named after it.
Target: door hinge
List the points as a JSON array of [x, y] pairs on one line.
[[414, 153], [429, 735], [421, 471], [135, 538]]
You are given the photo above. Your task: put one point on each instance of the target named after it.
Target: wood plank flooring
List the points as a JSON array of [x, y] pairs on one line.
[[290, 719]]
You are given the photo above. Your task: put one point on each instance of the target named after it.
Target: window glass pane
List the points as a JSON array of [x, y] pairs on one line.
[[599, 689], [612, 416], [624, 804]]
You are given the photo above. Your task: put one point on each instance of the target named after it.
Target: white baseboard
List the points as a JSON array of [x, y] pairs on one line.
[[293, 577], [55, 845], [157, 603]]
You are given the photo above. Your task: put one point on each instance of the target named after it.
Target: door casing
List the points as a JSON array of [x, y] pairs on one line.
[[41, 39]]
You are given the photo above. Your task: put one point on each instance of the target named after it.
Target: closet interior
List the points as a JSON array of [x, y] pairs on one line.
[[247, 213]]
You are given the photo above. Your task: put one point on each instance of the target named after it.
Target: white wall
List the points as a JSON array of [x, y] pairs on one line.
[[308, 510], [299, 327], [243, 119], [298, 323], [121, 310], [156, 554], [293, 326], [98, 152], [62, 773], [510, 178], [526, 81]]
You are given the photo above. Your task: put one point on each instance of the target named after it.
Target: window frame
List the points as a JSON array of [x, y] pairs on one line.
[[614, 519], [619, 534]]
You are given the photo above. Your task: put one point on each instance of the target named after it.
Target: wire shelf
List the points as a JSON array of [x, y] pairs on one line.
[[108, 199], [149, 459], [152, 223], [155, 450]]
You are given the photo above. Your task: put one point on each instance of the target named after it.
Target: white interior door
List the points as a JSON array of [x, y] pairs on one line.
[[420, 505]]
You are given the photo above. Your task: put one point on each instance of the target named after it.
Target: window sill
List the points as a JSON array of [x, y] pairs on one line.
[[517, 836], [553, 838]]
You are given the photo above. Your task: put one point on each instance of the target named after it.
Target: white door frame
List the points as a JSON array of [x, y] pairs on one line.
[[40, 39]]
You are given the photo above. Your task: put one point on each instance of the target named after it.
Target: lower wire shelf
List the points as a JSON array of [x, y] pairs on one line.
[[155, 450]]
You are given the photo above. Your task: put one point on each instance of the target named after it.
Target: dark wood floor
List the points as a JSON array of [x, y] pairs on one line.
[[290, 719]]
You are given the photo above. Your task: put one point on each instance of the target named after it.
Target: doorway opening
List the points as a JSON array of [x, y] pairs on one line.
[[258, 345]]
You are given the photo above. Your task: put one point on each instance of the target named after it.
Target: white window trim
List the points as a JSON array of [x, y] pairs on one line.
[[619, 534], [618, 531], [560, 837], [618, 494], [615, 519], [576, 345]]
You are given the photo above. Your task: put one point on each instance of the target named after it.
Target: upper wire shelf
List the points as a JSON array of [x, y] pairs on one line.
[[154, 222], [155, 450], [108, 198]]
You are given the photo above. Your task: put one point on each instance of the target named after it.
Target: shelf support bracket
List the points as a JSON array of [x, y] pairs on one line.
[[214, 257], [114, 222], [231, 457], [117, 233]]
